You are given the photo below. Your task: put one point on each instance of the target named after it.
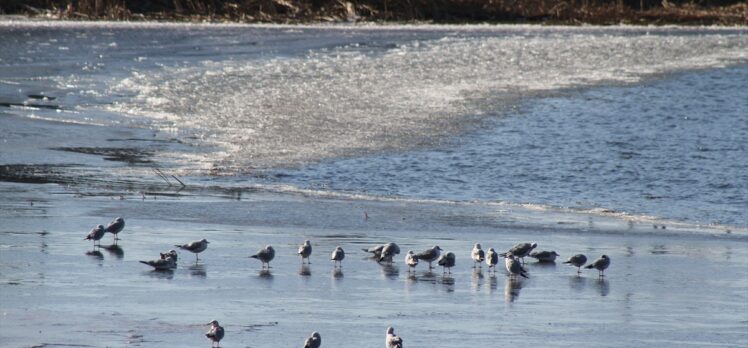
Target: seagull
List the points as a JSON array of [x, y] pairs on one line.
[[544, 256], [162, 264], [116, 226], [578, 261], [429, 255], [96, 234], [388, 252], [314, 341], [305, 250], [492, 259], [521, 250], [600, 264], [337, 256], [411, 260], [391, 340], [447, 261], [375, 250], [265, 255], [171, 253], [478, 255], [514, 266], [215, 333], [196, 247]]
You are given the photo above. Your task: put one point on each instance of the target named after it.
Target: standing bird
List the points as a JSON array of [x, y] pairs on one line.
[[391, 340], [314, 341], [578, 261], [429, 255], [388, 252], [305, 250], [115, 227], [411, 260], [196, 247], [447, 261], [478, 255], [600, 264], [96, 234], [337, 256], [513, 266], [521, 250], [544, 256], [376, 250], [215, 333], [265, 255], [492, 259]]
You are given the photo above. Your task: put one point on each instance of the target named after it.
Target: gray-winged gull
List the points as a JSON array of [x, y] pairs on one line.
[[215, 333], [388, 252], [578, 261], [115, 227], [600, 264], [314, 341], [513, 266], [544, 256], [447, 261], [195, 247], [96, 234], [162, 264], [376, 250], [521, 250], [265, 255], [429, 255]]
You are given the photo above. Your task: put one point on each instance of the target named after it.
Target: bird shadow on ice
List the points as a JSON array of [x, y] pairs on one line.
[[305, 271], [603, 286], [512, 288], [198, 270], [265, 274], [577, 283], [96, 255], [115, 250], [389, 270], [337, 273], [160, 273]]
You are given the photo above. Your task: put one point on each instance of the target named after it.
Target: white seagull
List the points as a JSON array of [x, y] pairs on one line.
[[337, 256], [478, 255], [305, 250], [391, 340]]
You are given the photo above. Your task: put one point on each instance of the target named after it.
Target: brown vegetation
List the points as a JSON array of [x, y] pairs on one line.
[[724, 12]]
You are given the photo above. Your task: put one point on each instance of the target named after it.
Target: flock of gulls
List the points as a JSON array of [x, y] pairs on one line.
[[383, 253]]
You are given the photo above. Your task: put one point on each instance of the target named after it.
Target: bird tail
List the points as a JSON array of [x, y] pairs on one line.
[[254, 256], [524, 274], [589, 266], [567, 261], [366, 250], [179, 246], [144, 262]]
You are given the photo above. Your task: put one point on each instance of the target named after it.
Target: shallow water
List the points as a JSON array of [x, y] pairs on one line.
[[625, 141], [420, 112]]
